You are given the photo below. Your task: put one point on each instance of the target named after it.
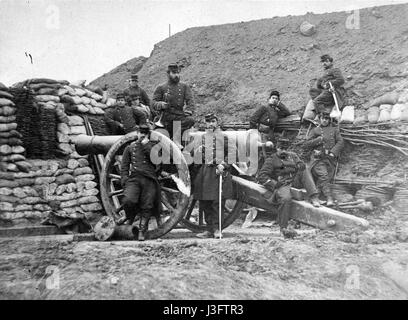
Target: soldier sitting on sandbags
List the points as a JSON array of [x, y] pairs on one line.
[[122, 119], [322, 97]]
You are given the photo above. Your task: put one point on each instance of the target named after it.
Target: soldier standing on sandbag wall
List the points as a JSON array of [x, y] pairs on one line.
[[122, 119], [281, 171], [173, 101], [326, 143], [322, 97], [134, 90], [140, 183], [206, 181], [269, 115]]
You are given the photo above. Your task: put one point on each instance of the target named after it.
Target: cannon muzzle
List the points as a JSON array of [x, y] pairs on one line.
[[85, 144]]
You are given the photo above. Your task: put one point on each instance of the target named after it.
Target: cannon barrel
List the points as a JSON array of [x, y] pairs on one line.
[[85, 144]]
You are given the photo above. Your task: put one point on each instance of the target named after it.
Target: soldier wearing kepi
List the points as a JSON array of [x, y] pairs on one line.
[[326, 143], [174, 101], [321, 95], [139, 180], [269, 115], [206, 182], [135, 91], [122, 119], [281, 171]]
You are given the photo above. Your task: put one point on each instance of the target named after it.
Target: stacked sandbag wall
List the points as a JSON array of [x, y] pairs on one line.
[[24, 196], [12, 152], [65, 176]]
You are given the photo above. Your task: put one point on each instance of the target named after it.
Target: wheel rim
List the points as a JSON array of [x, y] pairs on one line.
[[112, 195]]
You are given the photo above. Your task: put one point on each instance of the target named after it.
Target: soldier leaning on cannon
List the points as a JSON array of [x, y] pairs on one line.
[[122, 119], [327, 143], [140, 183], [206, 181], [170, 99], [281, 171], [269, 115]]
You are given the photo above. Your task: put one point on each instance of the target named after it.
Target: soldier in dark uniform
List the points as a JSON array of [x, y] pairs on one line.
[[206, 181], [135, 91], [269, 115], [281, 171], [174, 101], [122, 119], [326, 143], [321, 95], [139, 180]]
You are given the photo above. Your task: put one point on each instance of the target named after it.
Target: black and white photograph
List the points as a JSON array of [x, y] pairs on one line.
[[203, 154]]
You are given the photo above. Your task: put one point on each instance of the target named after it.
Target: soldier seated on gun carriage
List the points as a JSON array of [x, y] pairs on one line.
[[281, 171]]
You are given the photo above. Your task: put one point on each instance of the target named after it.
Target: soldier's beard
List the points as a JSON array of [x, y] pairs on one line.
[[175, 79]]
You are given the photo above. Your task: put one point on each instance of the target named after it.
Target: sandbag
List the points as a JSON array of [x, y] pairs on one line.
[[44, 180], [90, 185], [87, 200], [8, 184], [83, 163], [7, 111], [373, 114], [404, 112], [46, 98], [63, 138], [11, 141], [80, 92], [85, 177], [72, 164], [347, 115], [6, 95], [82, 108], [64, 179], [388, 98], [91, 109], [75, 121], [24, 181], [18, 149], [396, 112], [6, 207], [4, 127], [71, 187], [48, 91], [6, 191], [97, 97], [307, 29], [96, 89], [44, 80], [63, 128], [85, 100], [61, 189], [31, 192], [8, 119], [13, 158], [66, 148], [6, 102], [384, 116], [5, 150], [98, 110], [91, 207], [78, 130], [10, 134], [81, 171]]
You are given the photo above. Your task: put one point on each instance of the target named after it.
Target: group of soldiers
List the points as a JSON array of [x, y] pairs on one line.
[[281, 170]]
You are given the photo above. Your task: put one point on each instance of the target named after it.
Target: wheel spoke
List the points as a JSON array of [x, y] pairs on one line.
[[115, 193], [166, 202], [170, 190], [190, 210], [114, 176]]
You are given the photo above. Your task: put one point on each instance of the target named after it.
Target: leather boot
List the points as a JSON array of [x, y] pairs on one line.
[[142, 228]]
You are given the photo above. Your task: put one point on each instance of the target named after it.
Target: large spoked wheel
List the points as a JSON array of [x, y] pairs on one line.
[[173, 200], [194, 219]]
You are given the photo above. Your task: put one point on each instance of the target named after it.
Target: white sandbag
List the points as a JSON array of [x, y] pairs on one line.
[[373, 114], [396, 111], [78, 130], [79, 92], [6, 102], [70, 90], [63, 128], [75, 120], [72, 164], [85, 100], [347, 115], [96, 97], [98, 110], [46, 98], [91, 109], [404, 112], [82, 108], [385, 115]]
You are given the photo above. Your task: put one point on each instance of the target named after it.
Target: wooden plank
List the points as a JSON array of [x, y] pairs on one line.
[[323, 217]]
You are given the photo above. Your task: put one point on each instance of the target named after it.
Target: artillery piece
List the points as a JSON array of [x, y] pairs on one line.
[[179, 202]]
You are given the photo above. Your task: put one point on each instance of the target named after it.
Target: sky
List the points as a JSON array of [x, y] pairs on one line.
[[83, 39]]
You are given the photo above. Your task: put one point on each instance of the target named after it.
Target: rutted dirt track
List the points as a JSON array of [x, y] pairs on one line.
[[252, 263]]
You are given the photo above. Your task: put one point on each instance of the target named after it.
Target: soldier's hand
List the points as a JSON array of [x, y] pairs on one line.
[[220, 169], [163, 105]]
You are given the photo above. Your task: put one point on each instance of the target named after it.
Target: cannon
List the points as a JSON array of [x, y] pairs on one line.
[[180, 205]]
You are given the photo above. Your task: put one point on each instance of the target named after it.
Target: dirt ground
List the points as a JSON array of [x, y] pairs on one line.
[[249, 263]]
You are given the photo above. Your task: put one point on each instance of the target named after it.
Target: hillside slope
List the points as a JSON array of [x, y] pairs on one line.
[[233, 67]]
